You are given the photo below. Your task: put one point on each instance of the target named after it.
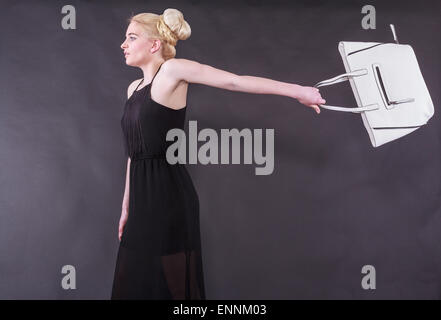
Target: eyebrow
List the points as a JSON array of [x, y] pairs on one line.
[[131, 33]]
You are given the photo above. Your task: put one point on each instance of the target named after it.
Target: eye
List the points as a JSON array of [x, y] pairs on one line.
[[132, 38]]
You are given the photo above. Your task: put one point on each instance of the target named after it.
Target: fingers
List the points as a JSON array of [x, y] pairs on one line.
[[120, 231], [316, 108], [314, 97], [320, 100]]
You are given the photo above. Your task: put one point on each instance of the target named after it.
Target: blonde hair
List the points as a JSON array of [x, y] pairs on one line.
[[169, 27]]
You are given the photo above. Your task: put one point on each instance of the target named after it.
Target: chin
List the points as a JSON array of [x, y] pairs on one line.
[[130, 63]]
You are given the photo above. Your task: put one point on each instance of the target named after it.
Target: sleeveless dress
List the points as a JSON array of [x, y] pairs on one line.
[[159, 256]]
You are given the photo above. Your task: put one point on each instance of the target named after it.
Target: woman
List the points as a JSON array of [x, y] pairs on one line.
[[159, 255]]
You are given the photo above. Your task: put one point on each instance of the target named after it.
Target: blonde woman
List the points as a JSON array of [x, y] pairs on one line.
[[159, 255]]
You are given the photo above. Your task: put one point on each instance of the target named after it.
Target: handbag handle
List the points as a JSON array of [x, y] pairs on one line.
[[341, 78]]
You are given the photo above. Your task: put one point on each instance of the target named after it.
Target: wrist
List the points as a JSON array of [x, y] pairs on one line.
[[296, 91]]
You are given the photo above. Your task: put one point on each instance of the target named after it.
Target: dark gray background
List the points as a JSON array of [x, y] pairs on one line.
[[333, 203]]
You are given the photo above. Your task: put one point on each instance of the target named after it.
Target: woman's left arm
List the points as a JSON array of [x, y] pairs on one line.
[[194, 72]]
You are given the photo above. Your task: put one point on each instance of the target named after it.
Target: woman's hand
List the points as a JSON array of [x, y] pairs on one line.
[[310, 97], [122, 222]]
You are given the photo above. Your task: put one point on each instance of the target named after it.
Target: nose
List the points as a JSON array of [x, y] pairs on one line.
[[123, 45]]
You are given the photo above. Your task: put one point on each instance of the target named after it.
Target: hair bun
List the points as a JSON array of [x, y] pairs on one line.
[[178, 27]]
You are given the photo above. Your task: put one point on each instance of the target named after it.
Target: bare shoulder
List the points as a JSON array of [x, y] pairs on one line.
[[177, 63], [132, 87], [177, 67]]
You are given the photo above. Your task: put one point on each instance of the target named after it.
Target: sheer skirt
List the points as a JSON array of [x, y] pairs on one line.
[[176, 276]]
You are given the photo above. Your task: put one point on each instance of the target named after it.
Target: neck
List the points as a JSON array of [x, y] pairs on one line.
[[150, 69]]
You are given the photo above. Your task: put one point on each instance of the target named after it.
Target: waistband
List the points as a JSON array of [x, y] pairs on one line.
[[148, 156]]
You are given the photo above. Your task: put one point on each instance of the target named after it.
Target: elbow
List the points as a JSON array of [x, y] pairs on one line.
[[234, 83]]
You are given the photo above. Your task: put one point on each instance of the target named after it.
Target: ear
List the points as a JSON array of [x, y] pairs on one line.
[[155, 46]]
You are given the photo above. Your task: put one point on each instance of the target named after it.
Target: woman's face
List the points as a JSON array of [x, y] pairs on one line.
[[136, 46]]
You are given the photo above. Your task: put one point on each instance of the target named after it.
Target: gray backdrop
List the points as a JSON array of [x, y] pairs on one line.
[[332, 205]]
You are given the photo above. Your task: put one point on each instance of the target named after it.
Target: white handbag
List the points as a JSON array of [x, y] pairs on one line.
[[388, 86]]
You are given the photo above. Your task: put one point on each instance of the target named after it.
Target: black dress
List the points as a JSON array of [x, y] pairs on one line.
[[159, 256]]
